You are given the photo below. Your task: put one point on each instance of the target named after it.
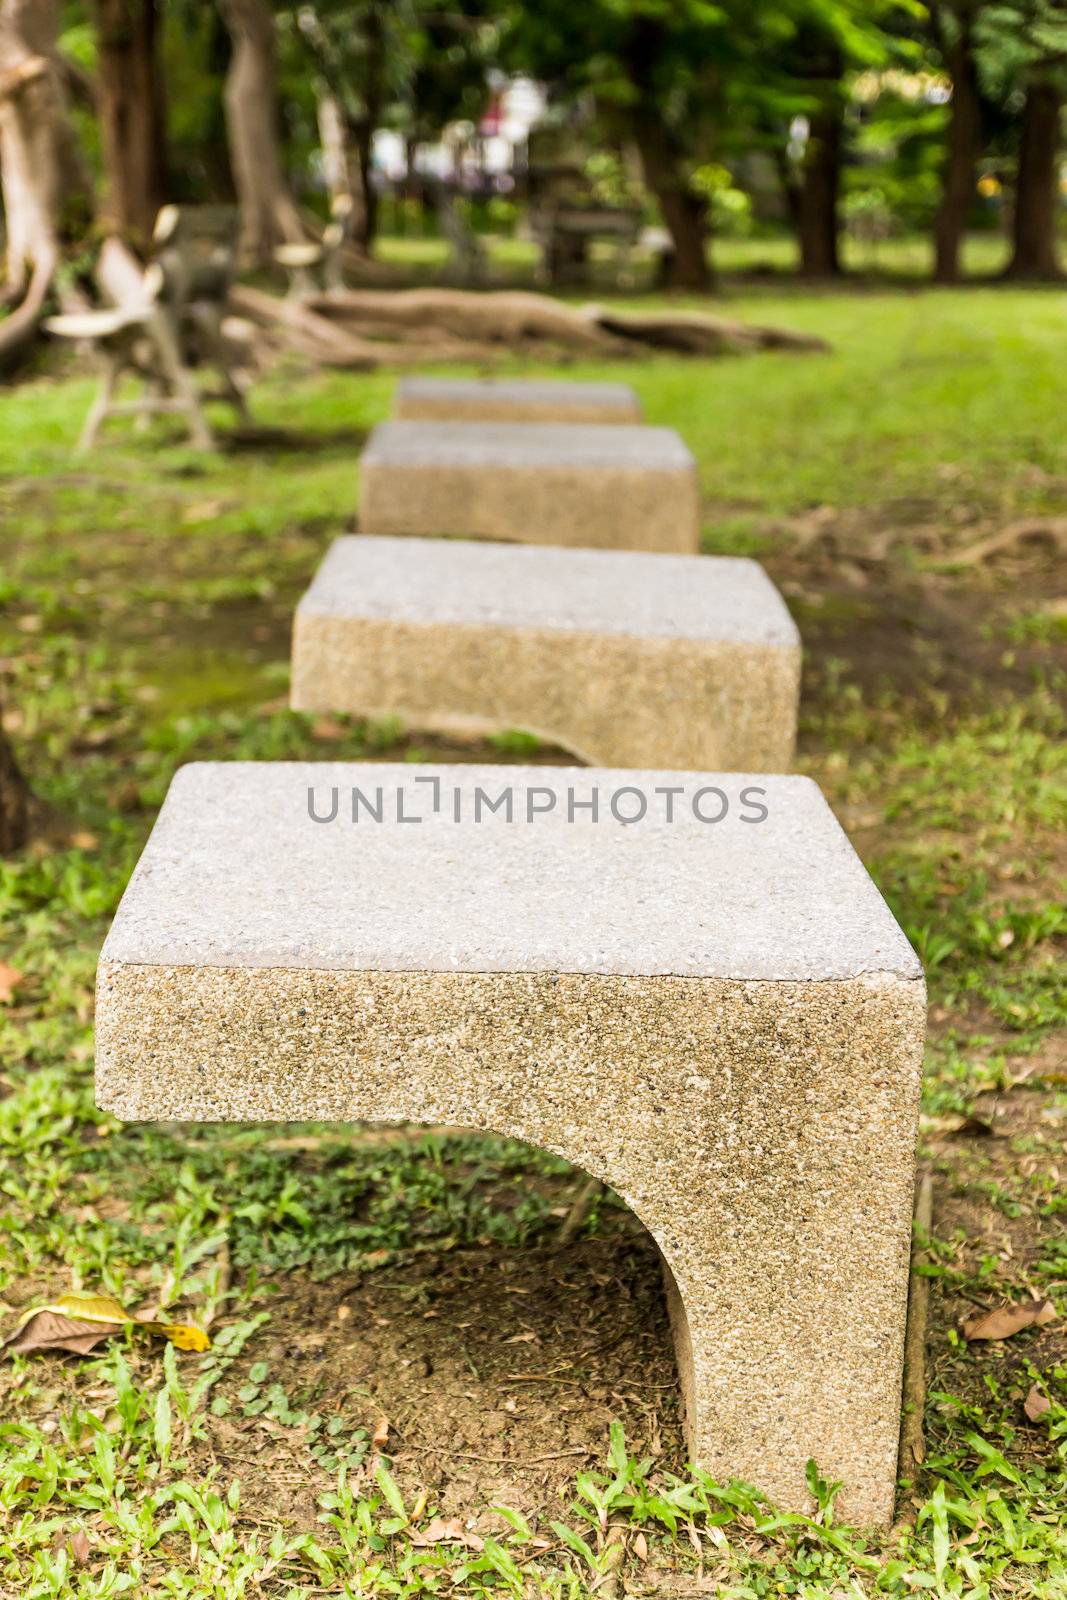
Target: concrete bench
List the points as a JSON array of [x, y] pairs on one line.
[[696, 994], [514, 400], [532, 483], [623, 658]]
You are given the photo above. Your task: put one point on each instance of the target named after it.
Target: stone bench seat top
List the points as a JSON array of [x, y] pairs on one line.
[[556, 483], [515, 400], [621, 657], [719, 1018], [627, 592], [526, 446], [236, 872]]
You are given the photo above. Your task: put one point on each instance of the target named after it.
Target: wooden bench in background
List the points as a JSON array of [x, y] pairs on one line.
[[166, 324]]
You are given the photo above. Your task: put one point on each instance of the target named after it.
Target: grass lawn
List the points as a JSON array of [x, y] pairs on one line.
[[906, 257], [402, 1355]]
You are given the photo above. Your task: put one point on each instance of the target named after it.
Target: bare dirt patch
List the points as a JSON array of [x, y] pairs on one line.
[[498, 1371]]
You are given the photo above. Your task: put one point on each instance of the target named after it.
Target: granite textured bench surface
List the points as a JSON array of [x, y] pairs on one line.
[[514, 400], [624, 658], [533, 483], [719, 1018]]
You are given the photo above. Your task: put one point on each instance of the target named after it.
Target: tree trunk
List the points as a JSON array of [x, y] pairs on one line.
[[131, 114], [45, 185], [365, 218], [365, 222], [818, 227], [46, 188], [787, 180], [962, 152], [1034, 252], [269, 214], [684, 213], [14, 801]]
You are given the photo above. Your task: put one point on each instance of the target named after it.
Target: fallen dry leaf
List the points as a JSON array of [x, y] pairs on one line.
[[640, 1547], [445, 1530], [1008, 1319], [79, 1547], [77, 1322], [77, 1543], [326, 728], [1036, 1404], [10, 978], [84, 840], [50, 1330]]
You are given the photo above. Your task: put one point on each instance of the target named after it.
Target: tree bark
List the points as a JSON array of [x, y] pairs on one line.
[[44, 181], [819, 193], [365, 222], [365, 195], [684, 213], [269, 214], [1034, 253], [14, 801], [963, 147], [131, 113]]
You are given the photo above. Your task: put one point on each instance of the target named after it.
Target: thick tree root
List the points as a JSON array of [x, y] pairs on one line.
[[376, 327], [19, 330]]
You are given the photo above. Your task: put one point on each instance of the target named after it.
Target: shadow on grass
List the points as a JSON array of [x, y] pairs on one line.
[[250, 438]]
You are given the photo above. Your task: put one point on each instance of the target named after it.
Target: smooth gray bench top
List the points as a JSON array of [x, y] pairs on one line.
[[531, 445], [547, 392], [437, 581], [236, 873]]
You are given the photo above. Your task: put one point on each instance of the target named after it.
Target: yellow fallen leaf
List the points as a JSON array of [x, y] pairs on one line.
[[183, 1334], [86, 1307], [99, 1310]]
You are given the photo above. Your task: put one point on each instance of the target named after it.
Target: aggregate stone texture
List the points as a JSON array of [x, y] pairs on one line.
[[514, 400], [623, 658], [720, 1019], [586, 484]]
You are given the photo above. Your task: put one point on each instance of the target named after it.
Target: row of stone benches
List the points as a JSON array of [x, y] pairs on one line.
[[671, 969]]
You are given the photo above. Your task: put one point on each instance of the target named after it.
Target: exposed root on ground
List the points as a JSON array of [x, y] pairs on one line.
[[376, 327], [1047, 530]]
